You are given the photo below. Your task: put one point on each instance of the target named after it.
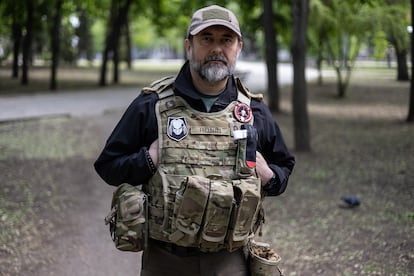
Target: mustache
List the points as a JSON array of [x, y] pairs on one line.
[[216, 58]]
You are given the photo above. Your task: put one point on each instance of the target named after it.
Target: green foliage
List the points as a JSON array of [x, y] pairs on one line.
[[381, 44], [98, 30], [338, 29], [143, 33]]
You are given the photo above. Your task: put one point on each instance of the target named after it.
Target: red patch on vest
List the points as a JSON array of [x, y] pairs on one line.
[[243, 113]]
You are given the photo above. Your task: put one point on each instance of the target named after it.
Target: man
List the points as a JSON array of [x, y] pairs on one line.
[[206, 152]]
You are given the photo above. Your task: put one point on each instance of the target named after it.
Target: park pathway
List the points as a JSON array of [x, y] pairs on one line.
[[98, 101]]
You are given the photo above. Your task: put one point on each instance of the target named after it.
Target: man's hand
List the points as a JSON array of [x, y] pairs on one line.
[[262, 169], [153, 152]]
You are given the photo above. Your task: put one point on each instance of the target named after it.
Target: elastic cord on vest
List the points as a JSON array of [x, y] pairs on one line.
[[150, 163]]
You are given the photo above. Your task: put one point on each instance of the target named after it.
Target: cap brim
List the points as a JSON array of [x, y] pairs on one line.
[[209, 24]]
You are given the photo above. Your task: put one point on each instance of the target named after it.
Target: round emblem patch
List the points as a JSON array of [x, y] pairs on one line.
[[243, 113]]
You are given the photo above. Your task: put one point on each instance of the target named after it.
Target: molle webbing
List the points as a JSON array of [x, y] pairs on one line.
[[196, 198], [208, 147]]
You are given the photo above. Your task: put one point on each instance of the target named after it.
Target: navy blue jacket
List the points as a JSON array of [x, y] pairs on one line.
[[123, 157]]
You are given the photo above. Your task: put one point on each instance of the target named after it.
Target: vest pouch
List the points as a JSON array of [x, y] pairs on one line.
[[247, 201], [217, 216], [189, 206], [127, 218]]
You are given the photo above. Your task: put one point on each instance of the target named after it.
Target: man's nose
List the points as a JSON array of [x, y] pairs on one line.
[[217, 47]]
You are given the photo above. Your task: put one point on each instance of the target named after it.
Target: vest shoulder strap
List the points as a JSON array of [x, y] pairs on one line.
[[163, 88], [246, 92], [160, 86]]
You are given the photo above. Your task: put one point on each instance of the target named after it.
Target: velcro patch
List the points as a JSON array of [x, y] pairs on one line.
[[210, 130]]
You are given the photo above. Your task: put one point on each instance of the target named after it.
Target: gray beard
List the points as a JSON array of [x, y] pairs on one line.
[[212, 72]]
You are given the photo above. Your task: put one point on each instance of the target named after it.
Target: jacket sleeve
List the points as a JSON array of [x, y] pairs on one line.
[[273, 148], [123, 158]]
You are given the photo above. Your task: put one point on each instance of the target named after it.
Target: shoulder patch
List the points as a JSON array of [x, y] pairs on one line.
[[245, 90]]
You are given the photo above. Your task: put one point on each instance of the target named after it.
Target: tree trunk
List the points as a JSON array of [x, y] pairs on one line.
[[55, 40], [104, 66], [85, 47], [119, 15], [410, 117], [343, 81], [115, 60], [300, 10], [108, 42], [129, 47], [271, 56], [402, 68], [27, 42], [17, 40], [121, 22], [319, 59]]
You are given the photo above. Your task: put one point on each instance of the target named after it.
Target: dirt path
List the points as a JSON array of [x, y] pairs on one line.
[[86, 248], [53, 202]]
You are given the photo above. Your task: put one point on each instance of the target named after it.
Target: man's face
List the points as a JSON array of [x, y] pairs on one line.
[[213, 52]]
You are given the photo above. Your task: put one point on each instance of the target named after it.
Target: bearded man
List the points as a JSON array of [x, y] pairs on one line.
[[205, 151]]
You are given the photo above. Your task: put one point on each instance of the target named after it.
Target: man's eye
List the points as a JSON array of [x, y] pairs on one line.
[[227, 42]]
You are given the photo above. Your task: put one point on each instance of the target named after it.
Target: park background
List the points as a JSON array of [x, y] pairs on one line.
[[348, 126]]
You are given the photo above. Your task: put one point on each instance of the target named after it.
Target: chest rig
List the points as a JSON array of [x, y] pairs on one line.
[[204, 193]]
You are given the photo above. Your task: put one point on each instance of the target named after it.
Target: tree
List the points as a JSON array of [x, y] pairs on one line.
[[55, 42], [271, 51], [345, 38], [117, 19], [11, 25], [27, 41], [394, 22], [391, 18], [83, 31], [15, 8], [340, 27], [321, 21], [300, 11]]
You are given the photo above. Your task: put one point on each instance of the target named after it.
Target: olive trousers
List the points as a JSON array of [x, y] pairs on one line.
[[160, 260]]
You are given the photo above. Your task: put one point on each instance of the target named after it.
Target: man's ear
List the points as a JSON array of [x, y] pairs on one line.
[[187, 45], [239, 49]]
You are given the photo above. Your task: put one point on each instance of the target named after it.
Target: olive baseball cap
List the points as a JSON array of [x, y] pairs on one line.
[[210, 16]]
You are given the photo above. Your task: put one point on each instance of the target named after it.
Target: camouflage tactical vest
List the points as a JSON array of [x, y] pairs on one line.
[[203, 193]]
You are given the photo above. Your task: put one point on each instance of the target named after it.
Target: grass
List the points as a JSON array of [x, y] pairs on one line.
[[26, 140]]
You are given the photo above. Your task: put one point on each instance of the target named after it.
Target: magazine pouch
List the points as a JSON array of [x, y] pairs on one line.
[[189, 206], [217, 214], [246, 204]]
